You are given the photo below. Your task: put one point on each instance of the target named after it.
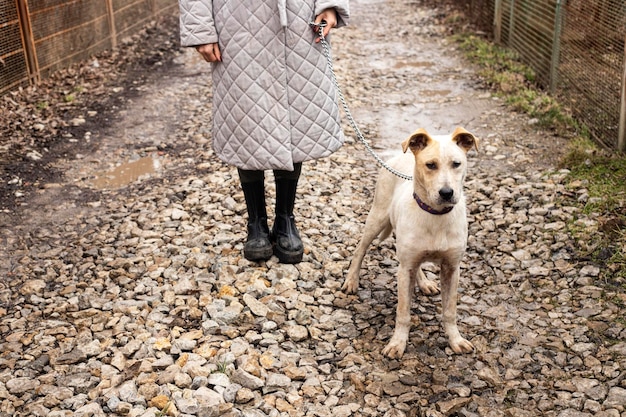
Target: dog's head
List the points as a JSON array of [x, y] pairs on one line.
[[440, 165]]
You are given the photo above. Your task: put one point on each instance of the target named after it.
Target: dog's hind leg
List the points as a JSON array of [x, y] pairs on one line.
[[377, 222], [426, 286], [449, 287]]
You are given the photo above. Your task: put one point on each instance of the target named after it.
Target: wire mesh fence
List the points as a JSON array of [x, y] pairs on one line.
[[13, 66], [576, 49], [38, 37], [67, 31], [591, 65], [530, 30]]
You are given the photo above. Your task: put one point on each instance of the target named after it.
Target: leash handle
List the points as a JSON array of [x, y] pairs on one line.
[[320, 26], [359, 135]]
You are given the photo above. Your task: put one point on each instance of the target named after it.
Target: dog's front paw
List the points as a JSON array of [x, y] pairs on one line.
[[461, 345], [395, 348]]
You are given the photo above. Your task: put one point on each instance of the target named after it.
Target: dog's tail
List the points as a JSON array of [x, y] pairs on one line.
[[384, 234]]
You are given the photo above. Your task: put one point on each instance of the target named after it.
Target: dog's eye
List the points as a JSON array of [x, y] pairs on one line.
[[456, 164], [431, 165]]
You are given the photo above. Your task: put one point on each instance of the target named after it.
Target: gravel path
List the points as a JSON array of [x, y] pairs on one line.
[[135, 300]]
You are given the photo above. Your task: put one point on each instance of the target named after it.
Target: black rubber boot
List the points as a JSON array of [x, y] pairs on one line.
[[287, 243], [258, 246]]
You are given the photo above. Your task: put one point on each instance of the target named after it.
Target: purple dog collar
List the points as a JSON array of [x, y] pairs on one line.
[[429, 209]]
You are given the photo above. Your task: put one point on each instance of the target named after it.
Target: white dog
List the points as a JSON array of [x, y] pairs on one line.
[[428, 217]]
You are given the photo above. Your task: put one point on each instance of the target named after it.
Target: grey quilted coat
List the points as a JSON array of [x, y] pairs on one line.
[[274, 103]]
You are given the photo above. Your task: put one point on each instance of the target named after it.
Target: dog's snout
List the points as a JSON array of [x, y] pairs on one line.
[[446, 193]]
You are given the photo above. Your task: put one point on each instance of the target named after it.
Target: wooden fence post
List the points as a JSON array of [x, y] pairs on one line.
[[112, 31], [556, 45], [28, 40], [511, 24], [497, 22], [621, 136]]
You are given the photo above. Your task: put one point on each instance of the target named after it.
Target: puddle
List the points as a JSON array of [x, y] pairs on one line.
[[394, 123], [126, 173]]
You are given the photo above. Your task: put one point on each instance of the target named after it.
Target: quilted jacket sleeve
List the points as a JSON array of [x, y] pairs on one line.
[[196, 22], [341, 6]]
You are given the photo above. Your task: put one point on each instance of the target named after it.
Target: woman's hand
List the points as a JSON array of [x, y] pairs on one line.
[[210, 52], [330, 16]]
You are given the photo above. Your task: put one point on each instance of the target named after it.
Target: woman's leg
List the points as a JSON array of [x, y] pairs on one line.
[[288, 245], [258, 246]]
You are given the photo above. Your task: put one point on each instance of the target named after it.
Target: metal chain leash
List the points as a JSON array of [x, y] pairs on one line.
[[359, 135]]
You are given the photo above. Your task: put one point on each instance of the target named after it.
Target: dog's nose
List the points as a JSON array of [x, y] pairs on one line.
[[446, 193]]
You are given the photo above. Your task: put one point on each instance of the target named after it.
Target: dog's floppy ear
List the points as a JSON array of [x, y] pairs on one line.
[[417, 141], [464, 139]]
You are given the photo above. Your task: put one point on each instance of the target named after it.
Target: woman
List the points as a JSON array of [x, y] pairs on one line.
[[274, 102]]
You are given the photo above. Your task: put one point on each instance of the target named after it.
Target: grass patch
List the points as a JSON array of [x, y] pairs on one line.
[[603, 175], [516, 83], [222, 367], [597, 177]]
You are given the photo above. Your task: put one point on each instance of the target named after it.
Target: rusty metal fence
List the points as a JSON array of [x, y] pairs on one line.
[[575, 47], [38, 37]]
